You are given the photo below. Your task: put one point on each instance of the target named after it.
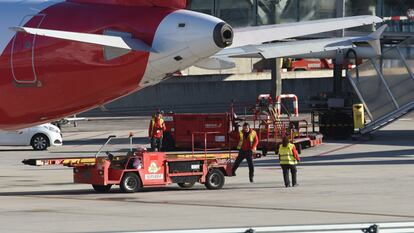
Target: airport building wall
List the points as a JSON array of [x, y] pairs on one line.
[[213, 93], [399, 15]]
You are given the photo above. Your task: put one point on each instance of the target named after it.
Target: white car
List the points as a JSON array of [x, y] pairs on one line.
[[39, 137]]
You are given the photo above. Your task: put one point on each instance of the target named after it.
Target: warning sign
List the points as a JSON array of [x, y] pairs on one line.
[[153, 168]]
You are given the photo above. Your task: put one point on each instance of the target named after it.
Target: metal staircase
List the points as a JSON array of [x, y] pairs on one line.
[[385, 86], [388, 119]]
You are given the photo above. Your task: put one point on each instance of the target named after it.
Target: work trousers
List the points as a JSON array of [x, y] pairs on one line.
[[293, 171], [248, 155], [156, 144]]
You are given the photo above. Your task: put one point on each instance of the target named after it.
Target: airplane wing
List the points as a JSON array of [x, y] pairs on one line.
[[285, 49], [119, 40], [250, 41], [262, 34]]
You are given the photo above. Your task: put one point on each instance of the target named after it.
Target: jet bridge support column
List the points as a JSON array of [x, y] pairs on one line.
[[276, 84], [335, 120]]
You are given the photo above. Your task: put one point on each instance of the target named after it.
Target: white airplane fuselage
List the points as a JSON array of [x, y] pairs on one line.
[[43, 78]]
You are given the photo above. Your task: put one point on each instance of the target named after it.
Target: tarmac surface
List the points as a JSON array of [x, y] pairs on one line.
[[340, 182]]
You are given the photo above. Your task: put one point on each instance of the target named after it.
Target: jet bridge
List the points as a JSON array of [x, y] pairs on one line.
[[385, 85]]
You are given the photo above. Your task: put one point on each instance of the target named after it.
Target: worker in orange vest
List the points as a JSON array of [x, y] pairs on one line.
[[247, 146], [289, 158], [156, 131]]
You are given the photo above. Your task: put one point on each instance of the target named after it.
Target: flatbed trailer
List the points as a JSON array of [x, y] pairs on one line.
[[141, 169]]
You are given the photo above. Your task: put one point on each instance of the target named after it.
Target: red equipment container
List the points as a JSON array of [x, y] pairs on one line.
[[180, 129]]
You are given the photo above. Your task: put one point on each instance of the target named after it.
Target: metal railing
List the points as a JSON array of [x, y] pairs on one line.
[[385, 86], [206, 149]]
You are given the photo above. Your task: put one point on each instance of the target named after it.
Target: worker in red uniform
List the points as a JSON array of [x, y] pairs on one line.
[[156, 131], [247, 146], [289, 158]]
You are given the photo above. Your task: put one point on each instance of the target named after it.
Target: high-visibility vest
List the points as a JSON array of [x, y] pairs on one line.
[[153, 122], [251, 137], [286, 155], [161, 122]]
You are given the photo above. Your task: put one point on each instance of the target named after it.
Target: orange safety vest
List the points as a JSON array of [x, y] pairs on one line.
[[251, 137]]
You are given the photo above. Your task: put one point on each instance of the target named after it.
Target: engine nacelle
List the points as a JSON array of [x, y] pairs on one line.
[[183, 39]]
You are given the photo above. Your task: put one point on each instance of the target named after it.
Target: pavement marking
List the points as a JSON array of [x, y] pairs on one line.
[[337, 149], [96, 135]]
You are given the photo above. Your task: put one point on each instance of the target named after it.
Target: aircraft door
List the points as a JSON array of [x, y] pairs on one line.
[[23, 53]]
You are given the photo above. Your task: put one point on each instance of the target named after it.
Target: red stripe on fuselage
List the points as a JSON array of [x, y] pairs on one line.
[[74, 76]]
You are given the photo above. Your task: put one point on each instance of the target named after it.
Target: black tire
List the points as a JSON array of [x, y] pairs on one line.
[[102, 188], [39, 142], [214, 179], [186, 185], [130, 183]]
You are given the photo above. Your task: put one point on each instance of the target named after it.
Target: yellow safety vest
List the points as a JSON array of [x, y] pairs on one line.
[[153, 122], [286, 155], [251, 137], [157, 132]]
